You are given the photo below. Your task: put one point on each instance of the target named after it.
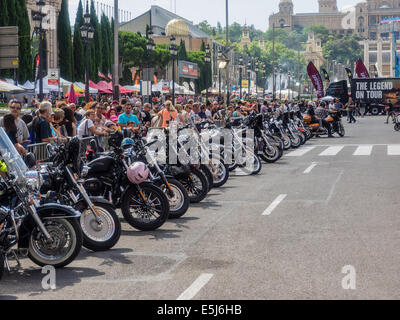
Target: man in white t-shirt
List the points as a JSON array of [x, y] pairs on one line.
[[87, 127]]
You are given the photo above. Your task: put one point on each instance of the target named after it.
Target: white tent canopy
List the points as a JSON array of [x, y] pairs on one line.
[[6, 87]]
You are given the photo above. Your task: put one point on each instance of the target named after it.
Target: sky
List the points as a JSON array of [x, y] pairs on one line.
[[250, 11]]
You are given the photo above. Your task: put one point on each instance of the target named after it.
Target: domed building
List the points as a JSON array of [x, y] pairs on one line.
[[177, 27]]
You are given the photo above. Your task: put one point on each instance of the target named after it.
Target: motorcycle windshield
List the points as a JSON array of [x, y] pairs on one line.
[[15, 164]]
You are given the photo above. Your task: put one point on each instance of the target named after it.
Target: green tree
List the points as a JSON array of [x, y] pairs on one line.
[[182, 55], [106, 49], [78, 46], [12, 12], [25, 70], [205, 27], [3, 13], [65, 42], [96, 55], [344, 50]]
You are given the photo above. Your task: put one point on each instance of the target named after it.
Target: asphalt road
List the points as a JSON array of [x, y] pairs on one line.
[[286, 233]]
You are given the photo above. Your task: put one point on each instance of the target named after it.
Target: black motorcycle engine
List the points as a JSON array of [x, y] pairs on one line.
[[94, 187]]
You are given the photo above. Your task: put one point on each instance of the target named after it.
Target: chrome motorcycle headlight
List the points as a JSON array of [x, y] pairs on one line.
[[85, 171]]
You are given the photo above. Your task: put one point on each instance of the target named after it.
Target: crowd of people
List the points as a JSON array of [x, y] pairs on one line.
[[52, 123]]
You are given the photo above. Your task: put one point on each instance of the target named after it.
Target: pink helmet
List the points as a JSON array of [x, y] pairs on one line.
[[137, 172]]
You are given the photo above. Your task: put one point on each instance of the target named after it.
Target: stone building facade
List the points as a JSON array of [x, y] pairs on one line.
[[52, 10], [363, 19]]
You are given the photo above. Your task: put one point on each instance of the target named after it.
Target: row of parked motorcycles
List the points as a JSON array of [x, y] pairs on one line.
[[48, 211]]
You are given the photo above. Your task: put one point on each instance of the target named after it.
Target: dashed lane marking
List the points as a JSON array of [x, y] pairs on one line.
[[274, 204], [195, 287]]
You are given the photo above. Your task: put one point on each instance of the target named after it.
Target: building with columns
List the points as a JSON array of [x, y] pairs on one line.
[[52, 10], [363, 19]]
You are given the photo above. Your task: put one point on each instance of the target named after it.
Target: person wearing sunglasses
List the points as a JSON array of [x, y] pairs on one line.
[[22, 130]]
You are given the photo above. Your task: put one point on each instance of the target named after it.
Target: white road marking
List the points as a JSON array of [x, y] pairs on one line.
[[274, 204], [363, 150], [308, 170], [331, 151], [300, 152], [393, 150], [196, 286]]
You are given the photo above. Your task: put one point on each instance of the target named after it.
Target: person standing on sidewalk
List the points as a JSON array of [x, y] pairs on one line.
[[351, 107]]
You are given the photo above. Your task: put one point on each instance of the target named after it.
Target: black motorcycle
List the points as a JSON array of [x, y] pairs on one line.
[[48, 234], [99, 221], [176, 193], [144, 206]]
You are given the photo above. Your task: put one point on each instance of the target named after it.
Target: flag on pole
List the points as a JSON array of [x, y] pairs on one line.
[[101, 75], [361, 70], [349, 74], [316, 79]]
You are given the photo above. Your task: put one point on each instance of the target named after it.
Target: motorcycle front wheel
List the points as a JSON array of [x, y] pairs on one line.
[[287, 143], [296, 141], [179, 202], [397, 127], [65, 245], [104, 236], [220, 173], [341, 131], [270, 154], [196, 185], [148, 213], [207, 172]]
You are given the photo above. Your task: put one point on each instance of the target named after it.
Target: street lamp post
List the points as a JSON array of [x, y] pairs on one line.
[[256, 70], [174, 51], [219, 74], [87, 33], [280, 83], [249, 66], [150, 48], [264, 69], [240, 77], [207, 60], [38, 19]]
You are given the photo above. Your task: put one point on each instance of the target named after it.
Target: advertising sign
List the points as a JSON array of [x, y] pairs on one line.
[[53, 77], [245, 83], [165, 87], [376, 90], [188, 69]]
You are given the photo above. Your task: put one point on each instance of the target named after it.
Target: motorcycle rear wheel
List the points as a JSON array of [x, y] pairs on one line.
[[63, 232]]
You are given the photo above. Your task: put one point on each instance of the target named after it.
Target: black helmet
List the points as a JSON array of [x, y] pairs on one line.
[[30, 160], [115, 139], [73, 149]]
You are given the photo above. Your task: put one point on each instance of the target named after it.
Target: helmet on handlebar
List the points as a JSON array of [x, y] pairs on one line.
[[127, 143], [137, 172]]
